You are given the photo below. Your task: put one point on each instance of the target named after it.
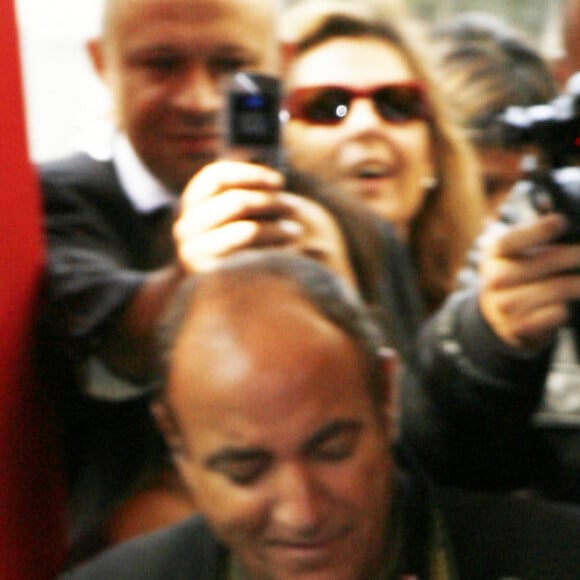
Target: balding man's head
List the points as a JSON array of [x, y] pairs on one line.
[[235, 293], [271, 420]]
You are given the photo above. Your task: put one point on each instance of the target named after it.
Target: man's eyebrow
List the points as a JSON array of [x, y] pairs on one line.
[[136, 53], [333, 429], [231, 48], [234, 454]]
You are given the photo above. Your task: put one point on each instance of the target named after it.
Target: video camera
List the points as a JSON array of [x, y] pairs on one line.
[[551, 179]]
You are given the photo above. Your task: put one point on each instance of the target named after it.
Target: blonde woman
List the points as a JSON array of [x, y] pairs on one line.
[[364, 112]]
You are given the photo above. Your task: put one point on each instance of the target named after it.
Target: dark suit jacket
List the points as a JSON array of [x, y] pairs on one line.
[[100, 250], [491, 537], [100, 247]]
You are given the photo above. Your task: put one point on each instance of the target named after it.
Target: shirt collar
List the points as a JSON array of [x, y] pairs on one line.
[[144, 190]]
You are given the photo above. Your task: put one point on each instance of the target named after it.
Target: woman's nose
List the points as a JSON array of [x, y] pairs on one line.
[[363, 114]]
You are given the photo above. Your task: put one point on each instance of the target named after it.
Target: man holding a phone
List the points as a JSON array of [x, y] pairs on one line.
[[113, 259]]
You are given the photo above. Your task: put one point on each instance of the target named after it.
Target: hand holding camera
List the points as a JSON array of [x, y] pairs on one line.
[[531, 271], [528, 281], [240, 202], [231, 206]]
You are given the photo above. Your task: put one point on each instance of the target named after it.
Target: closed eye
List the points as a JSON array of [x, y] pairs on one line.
[[240, 466], [337, 442]]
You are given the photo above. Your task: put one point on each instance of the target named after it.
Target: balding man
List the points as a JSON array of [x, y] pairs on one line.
[[113, 261], [279, 403]]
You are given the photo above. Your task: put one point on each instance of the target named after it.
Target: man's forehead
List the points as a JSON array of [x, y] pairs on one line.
[[256, 354], [197, 10], [200, 27], [228, 304], [231, 322]]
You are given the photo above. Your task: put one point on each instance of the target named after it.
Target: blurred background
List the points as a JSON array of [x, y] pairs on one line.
[[65, 101]]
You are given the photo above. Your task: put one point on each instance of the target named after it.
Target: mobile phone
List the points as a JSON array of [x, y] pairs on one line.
[[252, 118]]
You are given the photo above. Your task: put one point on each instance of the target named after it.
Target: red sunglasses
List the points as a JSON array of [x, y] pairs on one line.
[[329, 104]]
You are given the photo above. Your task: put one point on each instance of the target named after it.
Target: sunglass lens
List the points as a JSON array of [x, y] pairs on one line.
[[400, 104], [326, 106]]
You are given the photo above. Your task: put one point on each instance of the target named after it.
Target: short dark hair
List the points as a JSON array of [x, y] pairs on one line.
[[489, 65], [329, 294]]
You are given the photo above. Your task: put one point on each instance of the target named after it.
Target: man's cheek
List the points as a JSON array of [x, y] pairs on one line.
[[226, 503]]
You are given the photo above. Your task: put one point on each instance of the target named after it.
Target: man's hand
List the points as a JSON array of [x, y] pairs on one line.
[[230, 206], [528, 282]]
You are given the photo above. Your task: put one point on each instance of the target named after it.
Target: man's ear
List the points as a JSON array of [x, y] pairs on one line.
[[167, 424], [95, 51], [391, 369]]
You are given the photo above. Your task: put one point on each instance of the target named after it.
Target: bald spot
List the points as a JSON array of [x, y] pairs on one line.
[[229, 333]]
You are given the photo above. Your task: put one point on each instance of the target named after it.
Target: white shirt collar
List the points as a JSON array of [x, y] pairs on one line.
[[143, 189]]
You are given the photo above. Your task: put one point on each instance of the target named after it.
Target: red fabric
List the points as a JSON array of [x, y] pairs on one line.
[[31, 493]]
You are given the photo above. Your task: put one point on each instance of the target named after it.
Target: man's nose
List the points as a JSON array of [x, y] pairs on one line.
[[300, 503], [198, 90]]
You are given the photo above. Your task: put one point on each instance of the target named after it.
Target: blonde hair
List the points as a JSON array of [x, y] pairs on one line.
[[451, 217]]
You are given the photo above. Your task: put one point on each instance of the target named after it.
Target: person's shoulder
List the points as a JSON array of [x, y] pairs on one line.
[[76, 166], [512, 535], [184, 551], [80, 179]]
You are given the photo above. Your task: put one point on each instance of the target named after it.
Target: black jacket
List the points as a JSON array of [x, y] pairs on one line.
[[489, 537], [99, 251], [502, 388]]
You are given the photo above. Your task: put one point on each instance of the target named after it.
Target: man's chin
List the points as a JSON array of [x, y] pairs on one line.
[[304, 564], [178, 176]]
